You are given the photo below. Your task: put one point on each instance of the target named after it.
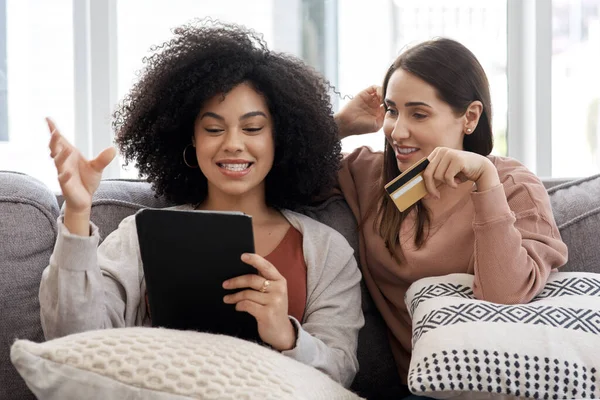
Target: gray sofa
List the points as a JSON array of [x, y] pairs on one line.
[[28, 213]]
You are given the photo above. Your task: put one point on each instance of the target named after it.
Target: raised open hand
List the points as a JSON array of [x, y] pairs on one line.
[[78, 177]]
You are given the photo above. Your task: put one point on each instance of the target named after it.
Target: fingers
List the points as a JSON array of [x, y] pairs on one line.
[[460, 178], [446, 166], [61, 157], [380, 116], [64, 177], [371, 90], [444, 171], [375, 100], [103, 159], [57, 141], [251, 295], [60, 150], [255, 282], [51, 125], [252, 308], [258, 284], [428, 174], [54, 144], [264, 268]]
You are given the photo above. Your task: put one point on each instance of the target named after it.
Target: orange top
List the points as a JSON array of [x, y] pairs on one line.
[[288, 258], [505, 236]]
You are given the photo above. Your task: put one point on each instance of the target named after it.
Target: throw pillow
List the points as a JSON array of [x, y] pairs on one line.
[[546, 349], [153, 363]]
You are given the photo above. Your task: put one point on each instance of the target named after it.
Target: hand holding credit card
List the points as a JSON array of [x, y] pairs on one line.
[[409, 187]]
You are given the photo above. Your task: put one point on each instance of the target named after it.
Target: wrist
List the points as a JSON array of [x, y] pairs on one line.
[[77, 222], [489, 177], [289, 339], [340, 121]]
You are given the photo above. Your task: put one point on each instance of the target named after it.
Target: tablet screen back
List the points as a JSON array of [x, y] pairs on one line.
[[186, 256]]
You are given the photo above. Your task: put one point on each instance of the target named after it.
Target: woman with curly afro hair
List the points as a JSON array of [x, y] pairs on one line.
[[218, 122]]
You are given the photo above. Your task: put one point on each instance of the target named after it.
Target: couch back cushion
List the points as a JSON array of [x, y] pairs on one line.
[[576, 207], [116, 199], [28, 212]]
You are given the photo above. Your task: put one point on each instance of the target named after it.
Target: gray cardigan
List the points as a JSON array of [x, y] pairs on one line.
[[87, 287]]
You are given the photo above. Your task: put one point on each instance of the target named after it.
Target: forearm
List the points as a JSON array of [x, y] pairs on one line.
[[505, 271], [343, 130], [328, 337], [334, 361], [512, 257], [72, 293]]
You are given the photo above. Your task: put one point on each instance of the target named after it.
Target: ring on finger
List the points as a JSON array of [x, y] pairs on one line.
[[265, 286]]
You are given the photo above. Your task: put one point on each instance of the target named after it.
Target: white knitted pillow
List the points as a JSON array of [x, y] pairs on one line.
[[151, 363], [546, 349]]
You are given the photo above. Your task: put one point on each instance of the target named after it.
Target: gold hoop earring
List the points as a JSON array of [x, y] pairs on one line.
[[185, 159]]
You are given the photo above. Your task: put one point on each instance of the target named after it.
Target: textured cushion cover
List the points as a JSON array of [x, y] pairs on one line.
[[116, 199], [152, 363], [546, 349], [28, 212]]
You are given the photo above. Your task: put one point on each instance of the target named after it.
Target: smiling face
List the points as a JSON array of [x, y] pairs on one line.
[[233, 136], [417, 120]]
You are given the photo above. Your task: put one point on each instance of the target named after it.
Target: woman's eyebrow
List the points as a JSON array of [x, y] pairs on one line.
[[409, 104], [416, 103], [213, 115], [253, 114], [245, 116]]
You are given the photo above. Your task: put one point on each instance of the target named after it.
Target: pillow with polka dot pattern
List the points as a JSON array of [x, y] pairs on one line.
[[548, 348], [161, 364]]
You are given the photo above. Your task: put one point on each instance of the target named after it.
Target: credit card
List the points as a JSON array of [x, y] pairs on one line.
[[408, 187]]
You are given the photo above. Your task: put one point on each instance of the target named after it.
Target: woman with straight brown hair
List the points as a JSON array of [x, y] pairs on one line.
[[484, 215]]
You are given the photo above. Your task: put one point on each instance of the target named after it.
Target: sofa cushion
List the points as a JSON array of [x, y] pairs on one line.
[[547, 348], [116, 199], [28, 212], [153, 363], [576, 207]]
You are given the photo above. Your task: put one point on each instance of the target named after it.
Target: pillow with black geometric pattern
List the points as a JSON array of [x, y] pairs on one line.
[[468, 348]]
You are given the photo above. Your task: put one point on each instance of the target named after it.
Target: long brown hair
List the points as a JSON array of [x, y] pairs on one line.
[[459, 79]]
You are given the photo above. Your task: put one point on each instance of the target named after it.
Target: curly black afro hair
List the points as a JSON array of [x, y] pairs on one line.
[[155, 121]]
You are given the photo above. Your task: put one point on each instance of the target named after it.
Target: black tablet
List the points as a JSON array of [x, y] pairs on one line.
[[186, 256]]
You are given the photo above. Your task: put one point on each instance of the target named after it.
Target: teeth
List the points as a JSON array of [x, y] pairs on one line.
[[406, 151], [235, 167]]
